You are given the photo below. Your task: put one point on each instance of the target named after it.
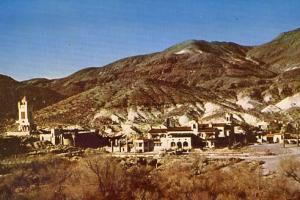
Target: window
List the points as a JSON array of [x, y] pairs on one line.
[[185, 144], [157, 144], [173, 144], [179, 145], [22, 115], [140, 144]]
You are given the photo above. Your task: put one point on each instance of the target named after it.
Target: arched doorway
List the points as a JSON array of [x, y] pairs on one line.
[[185, 144], [179, 145]]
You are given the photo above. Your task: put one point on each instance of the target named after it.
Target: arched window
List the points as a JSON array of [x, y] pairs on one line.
[[185, 144], [173, 144], [179, 145]]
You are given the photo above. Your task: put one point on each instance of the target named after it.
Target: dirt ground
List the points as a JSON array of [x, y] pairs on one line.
[[270, 154]]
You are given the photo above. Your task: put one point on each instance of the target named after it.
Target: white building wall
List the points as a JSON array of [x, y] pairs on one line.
[[46, 137], [168, 143], [222, 132], [23, 133], [210, 143], [138, 146]]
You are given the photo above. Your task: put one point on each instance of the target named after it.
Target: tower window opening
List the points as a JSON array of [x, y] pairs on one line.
[[22, 115]]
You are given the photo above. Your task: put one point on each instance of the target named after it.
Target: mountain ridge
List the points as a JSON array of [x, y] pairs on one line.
[[281, 53], [195, 74]]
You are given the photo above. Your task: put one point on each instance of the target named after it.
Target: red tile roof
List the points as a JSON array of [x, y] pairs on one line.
[[201, 128], [181, 134], [164, 130], [158, 130], [219, 124], [185, 128], [208, 129]]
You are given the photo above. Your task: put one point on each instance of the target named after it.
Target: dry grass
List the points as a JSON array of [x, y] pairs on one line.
[[105, 177]]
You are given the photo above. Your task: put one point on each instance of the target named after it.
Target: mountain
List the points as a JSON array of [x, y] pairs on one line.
[[180, 80], [11, 91], [195, 79], [282, 53], [193, 62]]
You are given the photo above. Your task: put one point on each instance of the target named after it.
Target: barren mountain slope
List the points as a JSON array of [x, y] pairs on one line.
[[190, 73], [191, 63], [282, 53], [12, 91], [194, 79]]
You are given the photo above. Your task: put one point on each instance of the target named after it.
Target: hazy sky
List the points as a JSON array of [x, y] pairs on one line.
[[54, 38]]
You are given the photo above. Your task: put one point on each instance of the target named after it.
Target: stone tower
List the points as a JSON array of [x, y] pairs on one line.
[[229, 118], [25, 116]]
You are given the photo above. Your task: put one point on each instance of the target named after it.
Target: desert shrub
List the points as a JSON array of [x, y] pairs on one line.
[[36, 179], [205, 179], [3, 169], [11, 146], [110, 177], [288, 181], [101, 177], [235, 183], [104, 177], [97, 177], [140, 182], [175, 181], [290, 168], [5, 192]]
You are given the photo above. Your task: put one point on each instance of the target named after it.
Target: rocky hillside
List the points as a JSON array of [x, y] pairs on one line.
[[282, 53], [11, 91], [193, 80], [193, 63], [194, 72]]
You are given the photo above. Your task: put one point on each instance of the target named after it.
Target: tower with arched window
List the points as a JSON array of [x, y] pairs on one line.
[[25, 116]]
